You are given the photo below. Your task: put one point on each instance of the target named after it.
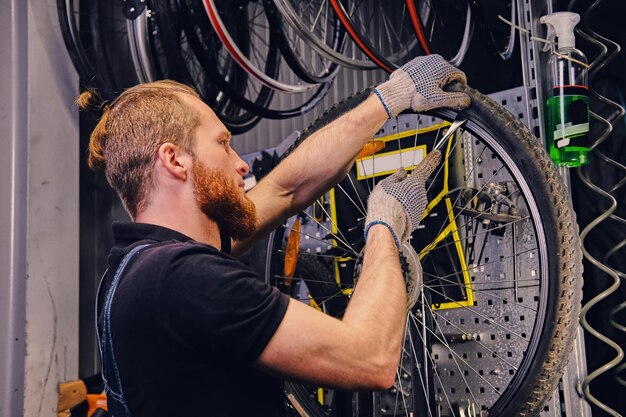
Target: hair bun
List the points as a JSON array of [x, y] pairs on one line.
[[91, 101]]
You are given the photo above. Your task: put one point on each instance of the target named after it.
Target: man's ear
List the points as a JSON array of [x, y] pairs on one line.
[[174, 160]]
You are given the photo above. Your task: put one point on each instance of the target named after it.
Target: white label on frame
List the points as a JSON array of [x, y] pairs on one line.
[[388, 163]]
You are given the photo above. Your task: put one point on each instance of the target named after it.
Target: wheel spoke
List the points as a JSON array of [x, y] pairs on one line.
[[467, 286], [487, 319], [475, 340], [361, 210], [452, 352], [484, 232], [327, 243], [456, 363], [469, 269], [339, 239], [466, 205], [305, 280], [443, 225], [399, 378], [432, 362], [420, 373], [320, 255]]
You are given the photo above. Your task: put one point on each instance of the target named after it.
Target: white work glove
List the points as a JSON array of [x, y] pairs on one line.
[[399, 201], [418, 85]]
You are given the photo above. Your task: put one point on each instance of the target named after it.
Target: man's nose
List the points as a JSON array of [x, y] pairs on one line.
[[242, 167]]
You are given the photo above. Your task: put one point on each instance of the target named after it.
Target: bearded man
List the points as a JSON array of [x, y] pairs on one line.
[[184, 328]]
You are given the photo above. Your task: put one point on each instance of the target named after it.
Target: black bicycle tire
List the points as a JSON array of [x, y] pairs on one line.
[[156, 50], [110, 53], [237, 78], [293, 18], [191, 23], [430, 42], [324, 286], [72, 43], [263, 109], [542, 370], [260, 106], [89, 77], [179, 72], [101, 60], [485, 29], [362, 41], [232, 118], [276, 25]]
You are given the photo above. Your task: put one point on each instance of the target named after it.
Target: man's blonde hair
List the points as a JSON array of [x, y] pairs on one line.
[[125, 141]]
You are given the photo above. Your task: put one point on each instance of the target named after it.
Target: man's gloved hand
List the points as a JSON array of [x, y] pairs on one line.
[[399, 201], [418, 85]]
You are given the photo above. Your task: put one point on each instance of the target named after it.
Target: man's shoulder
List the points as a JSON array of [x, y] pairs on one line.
[[178, 248], [181, 272], [190, 259], [178, 254]]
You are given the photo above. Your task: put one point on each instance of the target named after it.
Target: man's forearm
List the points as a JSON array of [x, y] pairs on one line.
[[362, 350], [325, 158], [317, 165], [378, 305]]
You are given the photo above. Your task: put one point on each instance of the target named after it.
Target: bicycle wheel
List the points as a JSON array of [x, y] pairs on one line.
[[184, 65], [141, 47], [310, 66], [108, 29], [222, 70], [382, 30], [310, 20], [244, 92], [251, 58], [502, 267], [71, 37], [496, 34], [88, 52], [444, 27]]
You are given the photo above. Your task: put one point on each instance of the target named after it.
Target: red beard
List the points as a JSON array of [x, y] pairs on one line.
[[221, 201]]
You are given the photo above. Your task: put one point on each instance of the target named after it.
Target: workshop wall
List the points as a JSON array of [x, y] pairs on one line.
[[39, 211]]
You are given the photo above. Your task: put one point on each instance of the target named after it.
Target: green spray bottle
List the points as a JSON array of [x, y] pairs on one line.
[[567, 109]]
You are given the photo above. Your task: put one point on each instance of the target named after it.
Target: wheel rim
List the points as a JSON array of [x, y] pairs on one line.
[[248, 61], [297, 16], [246, 94], [178, 52], [307, 64], [383, 30], [447, 27], [451, 402]]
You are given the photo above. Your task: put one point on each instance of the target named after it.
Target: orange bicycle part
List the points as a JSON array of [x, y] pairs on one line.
[[371, 148], [292, 251]]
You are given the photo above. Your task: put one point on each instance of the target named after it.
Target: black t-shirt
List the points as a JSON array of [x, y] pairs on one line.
[[188, 322]]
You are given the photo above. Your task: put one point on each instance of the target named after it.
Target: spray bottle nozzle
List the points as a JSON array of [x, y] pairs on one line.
[[561, 25]]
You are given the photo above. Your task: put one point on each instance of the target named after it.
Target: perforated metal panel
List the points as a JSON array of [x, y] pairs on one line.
[[488, 338]]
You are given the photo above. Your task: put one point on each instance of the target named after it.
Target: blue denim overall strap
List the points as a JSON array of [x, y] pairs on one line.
[[116, 402]]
